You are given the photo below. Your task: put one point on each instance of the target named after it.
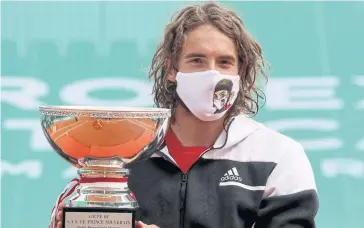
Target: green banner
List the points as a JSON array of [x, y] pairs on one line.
[[98, 53]]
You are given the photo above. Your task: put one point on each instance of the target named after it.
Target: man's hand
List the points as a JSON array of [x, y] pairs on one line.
[[59, 217], [142, 225]]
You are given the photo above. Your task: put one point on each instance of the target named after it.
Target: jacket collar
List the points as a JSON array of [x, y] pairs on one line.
[[237, 130]]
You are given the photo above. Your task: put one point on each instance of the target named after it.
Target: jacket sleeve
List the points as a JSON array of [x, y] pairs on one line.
[[293, 199], [70, 187]]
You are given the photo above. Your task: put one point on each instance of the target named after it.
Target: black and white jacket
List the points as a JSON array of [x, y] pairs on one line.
[[251, 177]]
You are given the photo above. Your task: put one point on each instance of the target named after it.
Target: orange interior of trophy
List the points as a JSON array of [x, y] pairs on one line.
[[102, 138], [103, 198]]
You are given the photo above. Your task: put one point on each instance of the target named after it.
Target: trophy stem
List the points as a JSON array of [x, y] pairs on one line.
[[104, 187], [103, 172]]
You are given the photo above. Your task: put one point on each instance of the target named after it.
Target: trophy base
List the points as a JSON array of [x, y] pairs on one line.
[[101, 199], [98, 217]]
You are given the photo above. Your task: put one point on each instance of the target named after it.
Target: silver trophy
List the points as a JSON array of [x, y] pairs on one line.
[[102, 143]]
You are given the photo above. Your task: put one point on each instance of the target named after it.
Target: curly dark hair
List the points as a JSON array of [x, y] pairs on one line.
[[165, 59], [224, 84]]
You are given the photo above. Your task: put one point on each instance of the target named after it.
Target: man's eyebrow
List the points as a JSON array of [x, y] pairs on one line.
[[201, 55], [193, 55], [229, 57]]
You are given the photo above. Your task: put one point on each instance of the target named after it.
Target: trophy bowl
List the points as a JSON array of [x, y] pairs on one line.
[[102, 142]]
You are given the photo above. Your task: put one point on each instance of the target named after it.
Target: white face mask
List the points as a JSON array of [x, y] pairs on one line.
[[208, 94]]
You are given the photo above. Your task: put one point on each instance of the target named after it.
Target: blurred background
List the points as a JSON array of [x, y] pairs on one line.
[[98, 53]]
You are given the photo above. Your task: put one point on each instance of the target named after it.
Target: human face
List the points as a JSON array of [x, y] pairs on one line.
[[220, 98], [206, 48]]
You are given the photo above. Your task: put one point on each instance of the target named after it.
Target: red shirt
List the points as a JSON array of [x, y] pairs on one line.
[[184, 156]]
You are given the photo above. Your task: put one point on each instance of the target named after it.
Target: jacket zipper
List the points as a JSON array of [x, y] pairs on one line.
[[184, 180], [183, 192]]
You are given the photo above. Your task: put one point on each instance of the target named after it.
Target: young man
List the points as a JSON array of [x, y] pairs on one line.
[[217, 168]]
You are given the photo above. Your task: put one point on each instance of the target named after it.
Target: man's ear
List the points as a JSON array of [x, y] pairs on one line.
[[171, 76]]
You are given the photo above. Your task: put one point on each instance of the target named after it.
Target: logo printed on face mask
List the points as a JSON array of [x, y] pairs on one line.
[[223, 95]]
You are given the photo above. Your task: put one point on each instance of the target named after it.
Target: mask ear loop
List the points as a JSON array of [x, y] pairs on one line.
[[177, 99], [171, 87]]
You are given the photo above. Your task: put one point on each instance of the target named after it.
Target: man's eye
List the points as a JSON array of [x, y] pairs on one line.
[[197, 60], [225, 62]]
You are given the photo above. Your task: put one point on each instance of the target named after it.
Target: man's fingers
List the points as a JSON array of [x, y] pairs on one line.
[[59, 216], [140, 225], [61, 206], [143, 225], [59, 225]]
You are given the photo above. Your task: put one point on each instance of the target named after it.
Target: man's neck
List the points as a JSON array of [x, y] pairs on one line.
[[191, 131]]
